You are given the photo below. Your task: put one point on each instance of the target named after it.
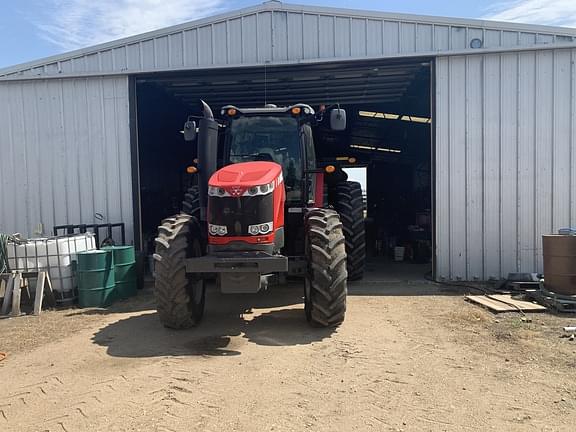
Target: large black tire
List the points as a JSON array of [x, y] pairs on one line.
[[180, 296], [325, 282], [347, 201], [191, 202]]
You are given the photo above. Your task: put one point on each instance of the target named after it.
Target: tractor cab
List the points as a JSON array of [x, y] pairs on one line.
[[281, 135]]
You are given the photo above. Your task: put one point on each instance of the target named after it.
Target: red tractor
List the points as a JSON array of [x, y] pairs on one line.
[[262, 206]]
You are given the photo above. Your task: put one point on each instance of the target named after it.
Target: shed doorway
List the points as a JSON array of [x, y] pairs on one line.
[[388, 139]]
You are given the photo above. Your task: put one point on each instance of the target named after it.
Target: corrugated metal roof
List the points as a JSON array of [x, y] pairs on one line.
[[278, 33]]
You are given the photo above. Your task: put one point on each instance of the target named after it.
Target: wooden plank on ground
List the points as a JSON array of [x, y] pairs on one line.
[[526, 306], [506, 305]]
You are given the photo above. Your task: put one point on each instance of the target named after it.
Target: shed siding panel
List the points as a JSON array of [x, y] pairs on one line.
[[457, 154], [442, 172], [374, 37], [280, 36], [148, 54], [220, 43], [311, 44], [491, 158], [342, 37], [75, 160], [441, 38], [176, 50], [205, 46], [424, 39], [133, 57], [295, 36], [391, 38], [326, 36], [505, 145], [358, 37], [544, 145], [561, 133], [474, 172], [458, 36], [509, 162], [264, 37], [235, 41], [162, 50], [120, 58], [191, 48], [250, 40], [527, 112], [407, 37]]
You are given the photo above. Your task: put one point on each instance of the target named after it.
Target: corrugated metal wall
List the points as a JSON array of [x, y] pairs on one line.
[[64, 153], [277, 33], [505, 160]]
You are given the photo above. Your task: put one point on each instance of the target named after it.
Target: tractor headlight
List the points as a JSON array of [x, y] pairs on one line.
[[217, 230], [265, 228], [217, 191], [267, 187], [260, 190]]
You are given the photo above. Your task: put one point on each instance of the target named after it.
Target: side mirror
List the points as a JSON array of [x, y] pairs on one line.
[[338, 119], [190, 130]]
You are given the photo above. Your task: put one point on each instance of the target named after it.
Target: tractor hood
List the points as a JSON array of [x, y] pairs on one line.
[[245, 175]]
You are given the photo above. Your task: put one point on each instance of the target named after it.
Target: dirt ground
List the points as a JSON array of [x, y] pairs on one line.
[[411, 356]]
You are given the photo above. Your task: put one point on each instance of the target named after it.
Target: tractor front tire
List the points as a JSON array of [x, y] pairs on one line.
[[180, 297], [348, 203], [325, 283], [191, 202]]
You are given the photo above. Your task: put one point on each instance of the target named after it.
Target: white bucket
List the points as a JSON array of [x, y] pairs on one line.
[[399, 252]]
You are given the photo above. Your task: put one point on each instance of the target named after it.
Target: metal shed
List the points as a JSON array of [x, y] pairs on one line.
[[503, 107]]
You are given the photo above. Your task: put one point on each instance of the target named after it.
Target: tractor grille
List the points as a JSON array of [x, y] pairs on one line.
[[237, 213]]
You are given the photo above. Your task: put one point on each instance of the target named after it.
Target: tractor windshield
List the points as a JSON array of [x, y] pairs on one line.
[[269, 138]]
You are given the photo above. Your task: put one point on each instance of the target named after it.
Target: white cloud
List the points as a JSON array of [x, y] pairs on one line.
[[72, 24], [550, 12]]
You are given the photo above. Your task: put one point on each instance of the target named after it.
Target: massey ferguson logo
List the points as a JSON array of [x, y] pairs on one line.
[[235, 191]]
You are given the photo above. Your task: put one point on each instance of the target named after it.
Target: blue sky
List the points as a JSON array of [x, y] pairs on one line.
[[31, 29]]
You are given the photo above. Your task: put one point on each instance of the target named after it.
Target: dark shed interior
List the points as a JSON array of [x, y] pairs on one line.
[[389, 138]]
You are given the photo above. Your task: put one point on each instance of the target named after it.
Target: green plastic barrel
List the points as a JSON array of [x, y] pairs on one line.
[[124, 270], [96, 282]]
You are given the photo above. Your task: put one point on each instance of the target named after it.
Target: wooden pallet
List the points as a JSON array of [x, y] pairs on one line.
[[498, 303]]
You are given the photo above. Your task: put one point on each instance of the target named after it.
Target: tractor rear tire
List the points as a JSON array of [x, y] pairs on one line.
[[325, 282], [180, 296], [191, 202], [348, 202]]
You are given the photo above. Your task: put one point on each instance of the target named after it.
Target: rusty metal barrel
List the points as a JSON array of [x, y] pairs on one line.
[[560, 263]]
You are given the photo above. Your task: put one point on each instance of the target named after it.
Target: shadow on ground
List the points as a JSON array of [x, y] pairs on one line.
[[230, 322], [226, 318]]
